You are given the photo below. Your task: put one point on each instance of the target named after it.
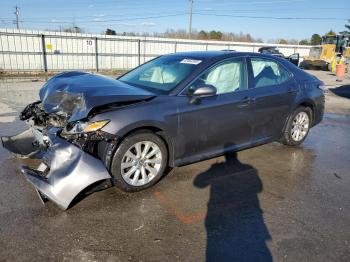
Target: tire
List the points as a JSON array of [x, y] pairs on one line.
[[137, 166], [290, 136]]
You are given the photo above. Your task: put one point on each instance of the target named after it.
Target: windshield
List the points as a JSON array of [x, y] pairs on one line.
[[315, 52], [161, 74], [330, 40]]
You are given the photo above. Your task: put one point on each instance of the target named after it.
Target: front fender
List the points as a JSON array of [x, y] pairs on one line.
[[124, 130], [156, 126]]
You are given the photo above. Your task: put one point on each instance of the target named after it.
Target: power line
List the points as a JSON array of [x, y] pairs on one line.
[[101, 16], [52, 21], [103, 20], [257, 9], [250, 10], [130, 16], [273, 17]]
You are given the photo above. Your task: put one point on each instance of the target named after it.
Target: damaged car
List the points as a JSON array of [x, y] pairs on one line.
[[173, 110]]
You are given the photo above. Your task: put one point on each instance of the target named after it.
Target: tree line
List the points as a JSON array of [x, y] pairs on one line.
[[199, 35], [315, 39]]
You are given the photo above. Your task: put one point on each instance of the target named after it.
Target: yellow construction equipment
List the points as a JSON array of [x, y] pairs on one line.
[[335, 49]]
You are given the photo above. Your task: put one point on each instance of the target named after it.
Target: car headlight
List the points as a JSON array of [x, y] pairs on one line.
[[94, 126], [80, 127]]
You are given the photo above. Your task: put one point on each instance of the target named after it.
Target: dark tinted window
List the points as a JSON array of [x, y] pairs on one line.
[[268, 73]]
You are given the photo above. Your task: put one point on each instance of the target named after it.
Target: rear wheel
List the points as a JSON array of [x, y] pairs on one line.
[[139, 161], [298, 126]]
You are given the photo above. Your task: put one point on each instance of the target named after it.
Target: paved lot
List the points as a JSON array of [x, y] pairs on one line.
[[270, 202]]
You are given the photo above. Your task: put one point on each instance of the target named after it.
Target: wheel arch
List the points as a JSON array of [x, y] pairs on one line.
[[305, 103], [159, 130], [310, 104]]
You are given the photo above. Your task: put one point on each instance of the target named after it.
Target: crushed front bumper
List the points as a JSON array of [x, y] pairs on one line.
[[65, 171]]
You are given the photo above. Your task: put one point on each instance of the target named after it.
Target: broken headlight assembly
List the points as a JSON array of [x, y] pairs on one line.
[[81, 127], [87, 135]]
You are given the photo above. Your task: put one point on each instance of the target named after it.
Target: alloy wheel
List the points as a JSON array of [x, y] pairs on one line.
[[141, 163], [300, 126]]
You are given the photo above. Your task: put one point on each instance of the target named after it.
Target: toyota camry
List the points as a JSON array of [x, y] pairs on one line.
[[173, 110]]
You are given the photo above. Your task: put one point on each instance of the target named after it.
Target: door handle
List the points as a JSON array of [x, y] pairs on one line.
[[246, 101], [252, 100]]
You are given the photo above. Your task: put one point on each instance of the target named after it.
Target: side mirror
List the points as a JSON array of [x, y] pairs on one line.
[[202, 91], [294, 59]]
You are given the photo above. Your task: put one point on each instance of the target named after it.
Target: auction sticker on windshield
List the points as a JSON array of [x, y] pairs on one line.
[[190, 61]]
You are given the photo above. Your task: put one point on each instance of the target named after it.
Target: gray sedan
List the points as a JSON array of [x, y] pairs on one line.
[[171, 111]]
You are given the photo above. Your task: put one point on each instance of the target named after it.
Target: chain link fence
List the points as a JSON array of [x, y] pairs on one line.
[[28, 51]]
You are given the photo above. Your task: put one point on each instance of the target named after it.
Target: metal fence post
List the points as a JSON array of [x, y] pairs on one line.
[[43, 45], [139, 51], [96, 54], [175, 47]]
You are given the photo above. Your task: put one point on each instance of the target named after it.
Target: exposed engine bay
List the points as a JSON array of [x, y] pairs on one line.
[[37, 114], [42, 122]]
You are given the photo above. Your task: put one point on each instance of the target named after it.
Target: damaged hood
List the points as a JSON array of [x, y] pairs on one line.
[[75, 94]]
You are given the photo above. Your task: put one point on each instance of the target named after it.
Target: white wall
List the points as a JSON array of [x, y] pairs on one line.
[[22, 50]]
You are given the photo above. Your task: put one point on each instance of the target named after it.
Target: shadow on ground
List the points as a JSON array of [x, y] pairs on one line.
[[343, 91], [234, 222]]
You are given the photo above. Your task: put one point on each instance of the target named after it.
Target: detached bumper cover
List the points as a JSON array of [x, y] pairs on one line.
[[69, 170], [23, 143]]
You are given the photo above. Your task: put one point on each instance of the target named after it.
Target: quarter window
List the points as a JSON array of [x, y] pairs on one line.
[[226, 77], [268, 73]]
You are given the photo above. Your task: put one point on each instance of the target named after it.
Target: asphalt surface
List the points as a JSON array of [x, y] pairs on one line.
[[267, 203]]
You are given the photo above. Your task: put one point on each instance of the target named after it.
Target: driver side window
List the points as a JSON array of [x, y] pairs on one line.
[[226, 77]]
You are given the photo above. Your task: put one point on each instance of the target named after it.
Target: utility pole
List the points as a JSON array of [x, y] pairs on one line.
[[190, 24], [17, 16]]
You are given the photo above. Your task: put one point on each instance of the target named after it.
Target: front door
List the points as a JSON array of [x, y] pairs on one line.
[[217, 123]]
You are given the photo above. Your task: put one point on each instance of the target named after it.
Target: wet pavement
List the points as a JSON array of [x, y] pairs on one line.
[[267, 203]]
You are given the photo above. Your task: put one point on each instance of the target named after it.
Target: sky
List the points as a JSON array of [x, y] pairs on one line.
[[266, 19]]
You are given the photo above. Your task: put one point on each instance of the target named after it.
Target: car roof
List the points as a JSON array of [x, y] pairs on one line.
[[222, 54], [267, 47], [204, 54]]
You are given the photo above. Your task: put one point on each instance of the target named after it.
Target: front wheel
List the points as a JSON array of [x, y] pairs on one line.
[[139, 161], [298, 126]]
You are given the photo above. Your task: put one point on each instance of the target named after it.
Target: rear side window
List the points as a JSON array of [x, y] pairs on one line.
[[268, 73]]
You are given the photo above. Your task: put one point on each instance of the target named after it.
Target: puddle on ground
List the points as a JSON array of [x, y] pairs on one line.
[[336, 116]]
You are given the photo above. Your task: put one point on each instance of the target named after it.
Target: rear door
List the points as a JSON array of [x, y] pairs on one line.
[[274, 90]]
